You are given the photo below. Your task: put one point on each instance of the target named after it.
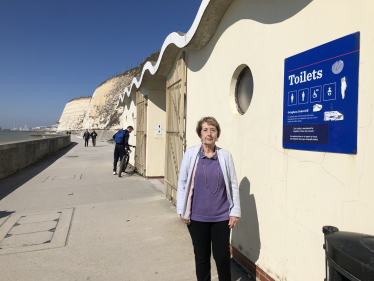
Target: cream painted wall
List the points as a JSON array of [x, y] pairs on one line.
[[155, 156], [129, 119], [287, 196]]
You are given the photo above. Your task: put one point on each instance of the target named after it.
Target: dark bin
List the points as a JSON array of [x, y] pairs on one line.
[[349, 255]]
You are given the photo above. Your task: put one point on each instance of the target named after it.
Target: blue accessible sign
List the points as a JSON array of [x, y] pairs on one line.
[[320, 105]]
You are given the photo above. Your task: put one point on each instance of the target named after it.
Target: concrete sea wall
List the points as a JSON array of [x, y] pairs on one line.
[[17, 155], [42, 136]]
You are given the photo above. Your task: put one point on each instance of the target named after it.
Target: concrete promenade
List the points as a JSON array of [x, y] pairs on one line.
[[66, 217]]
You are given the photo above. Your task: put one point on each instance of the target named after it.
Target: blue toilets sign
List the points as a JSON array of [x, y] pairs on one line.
[[321, 97]]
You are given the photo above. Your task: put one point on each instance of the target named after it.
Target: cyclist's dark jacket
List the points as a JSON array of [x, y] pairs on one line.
[[125, 139], [93, 135]]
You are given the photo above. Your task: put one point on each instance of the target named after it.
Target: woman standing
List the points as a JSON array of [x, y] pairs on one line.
[[208, 200]]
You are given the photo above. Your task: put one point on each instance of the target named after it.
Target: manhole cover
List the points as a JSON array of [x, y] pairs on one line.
[[62, 178], [23, 232]]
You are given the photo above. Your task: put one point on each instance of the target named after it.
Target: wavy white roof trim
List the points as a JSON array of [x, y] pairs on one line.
[[216, 8]]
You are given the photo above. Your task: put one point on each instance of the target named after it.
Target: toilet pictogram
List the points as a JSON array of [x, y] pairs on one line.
[[303, 96], [329, 91], [292, 98], [315, 95]]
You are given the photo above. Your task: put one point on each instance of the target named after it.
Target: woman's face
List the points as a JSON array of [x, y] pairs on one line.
[[208, 134]]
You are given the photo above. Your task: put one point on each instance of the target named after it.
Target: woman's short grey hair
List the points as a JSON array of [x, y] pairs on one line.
[[211, 121]]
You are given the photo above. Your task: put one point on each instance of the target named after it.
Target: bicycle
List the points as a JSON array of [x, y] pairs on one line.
[[125, 161]]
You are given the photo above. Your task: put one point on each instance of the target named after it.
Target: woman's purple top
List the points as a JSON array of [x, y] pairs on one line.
[[207, 207]]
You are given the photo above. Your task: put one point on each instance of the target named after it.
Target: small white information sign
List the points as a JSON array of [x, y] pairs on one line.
[[159, 129]]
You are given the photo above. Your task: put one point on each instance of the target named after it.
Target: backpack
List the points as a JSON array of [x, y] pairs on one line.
[[119, 137]]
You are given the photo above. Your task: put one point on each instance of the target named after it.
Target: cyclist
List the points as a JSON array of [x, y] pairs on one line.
[[121, 138]]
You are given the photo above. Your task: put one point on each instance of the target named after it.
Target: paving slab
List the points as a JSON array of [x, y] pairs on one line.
[[67, 217]]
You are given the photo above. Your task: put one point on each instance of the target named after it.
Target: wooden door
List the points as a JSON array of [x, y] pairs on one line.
[[175, 127], [141, 133]]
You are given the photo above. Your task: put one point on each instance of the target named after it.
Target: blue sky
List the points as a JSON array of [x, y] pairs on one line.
[[52, 51]]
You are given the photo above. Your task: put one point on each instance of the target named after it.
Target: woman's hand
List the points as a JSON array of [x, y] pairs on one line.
[[187, 222], [233, 222]]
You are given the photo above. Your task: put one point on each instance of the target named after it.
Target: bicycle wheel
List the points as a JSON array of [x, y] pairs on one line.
[[123, 166], [127, 161]]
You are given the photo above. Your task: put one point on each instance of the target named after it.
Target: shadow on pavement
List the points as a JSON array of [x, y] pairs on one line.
[[4, 214], [239, 273], [14, 181], [129, 173], [97, 146]]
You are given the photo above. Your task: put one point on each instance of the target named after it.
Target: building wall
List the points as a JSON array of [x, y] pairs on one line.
[[155, 156], [129, 119], [287, 196]]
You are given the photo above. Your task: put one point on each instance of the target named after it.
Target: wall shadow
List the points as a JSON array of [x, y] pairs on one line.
[[14, 181], [159, 102], [264, 11], [246, 235], [269, 11]]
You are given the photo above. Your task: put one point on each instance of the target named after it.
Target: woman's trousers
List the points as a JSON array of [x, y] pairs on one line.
[[208, 236]]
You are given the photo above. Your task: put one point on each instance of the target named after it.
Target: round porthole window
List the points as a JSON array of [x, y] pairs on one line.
[[241, 90]]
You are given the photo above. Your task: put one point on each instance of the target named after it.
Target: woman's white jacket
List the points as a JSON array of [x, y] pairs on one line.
[[186, 181]]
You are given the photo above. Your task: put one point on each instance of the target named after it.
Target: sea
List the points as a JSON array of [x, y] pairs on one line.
[[12, 136]]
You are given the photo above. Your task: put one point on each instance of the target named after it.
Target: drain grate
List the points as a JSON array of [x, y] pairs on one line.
[[71, 156], [35, 231]]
